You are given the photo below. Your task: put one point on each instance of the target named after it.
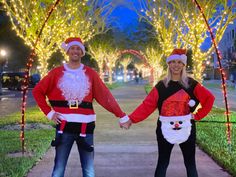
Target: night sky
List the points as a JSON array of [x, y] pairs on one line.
[[124, 17]]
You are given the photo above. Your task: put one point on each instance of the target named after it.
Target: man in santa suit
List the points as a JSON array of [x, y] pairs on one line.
[[70, 90], [175, 97]]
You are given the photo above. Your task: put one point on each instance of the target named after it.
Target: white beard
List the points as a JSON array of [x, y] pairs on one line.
[[74, 85], [176, 136]]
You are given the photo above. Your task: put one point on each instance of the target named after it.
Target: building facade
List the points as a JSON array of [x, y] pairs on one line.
[[227, 48]]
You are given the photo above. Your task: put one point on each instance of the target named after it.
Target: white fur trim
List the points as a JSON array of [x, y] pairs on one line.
[[182, 58], [67, 46], [175, 118], [50, 114], [191, 103], [79, 118], [60, 132], [82, 135], [124, 119], [172, 135]]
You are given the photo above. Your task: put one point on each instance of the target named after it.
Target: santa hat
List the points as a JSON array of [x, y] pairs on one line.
[[178, 54], [73, 41]]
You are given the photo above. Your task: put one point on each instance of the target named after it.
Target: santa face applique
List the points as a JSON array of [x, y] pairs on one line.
[[74, 85], [176, 130], [176, 118]]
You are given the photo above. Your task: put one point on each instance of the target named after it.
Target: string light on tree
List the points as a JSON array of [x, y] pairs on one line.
[[71, 18], [154, 58], [223, 79], [125, 61], [186, 28]]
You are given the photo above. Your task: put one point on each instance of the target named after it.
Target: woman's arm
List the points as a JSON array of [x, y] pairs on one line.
[[206, 99], [146, 108]]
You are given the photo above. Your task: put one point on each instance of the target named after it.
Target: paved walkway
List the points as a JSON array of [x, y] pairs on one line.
[[127, 153]]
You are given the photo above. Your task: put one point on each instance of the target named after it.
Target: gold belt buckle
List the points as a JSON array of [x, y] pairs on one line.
[[73, 104]]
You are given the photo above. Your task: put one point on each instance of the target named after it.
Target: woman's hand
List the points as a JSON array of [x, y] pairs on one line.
[[126, 125]]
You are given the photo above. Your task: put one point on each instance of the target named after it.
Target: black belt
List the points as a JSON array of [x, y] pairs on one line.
[[61, 103]]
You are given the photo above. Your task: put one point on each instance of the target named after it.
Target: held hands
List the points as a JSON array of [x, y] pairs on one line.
[[125, 122], [126, 125]]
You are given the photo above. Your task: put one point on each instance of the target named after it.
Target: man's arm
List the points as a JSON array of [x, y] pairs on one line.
[[147, 107], [206, 99], [104, 97], [40, 92]]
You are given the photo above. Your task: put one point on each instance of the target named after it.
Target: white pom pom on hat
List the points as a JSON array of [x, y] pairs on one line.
[[178, 54], [73, 41], [191, 103]]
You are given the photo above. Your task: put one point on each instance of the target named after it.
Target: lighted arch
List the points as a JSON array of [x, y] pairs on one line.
[[136, 53]]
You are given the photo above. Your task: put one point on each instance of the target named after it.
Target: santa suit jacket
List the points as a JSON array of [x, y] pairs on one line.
[[48, 88]]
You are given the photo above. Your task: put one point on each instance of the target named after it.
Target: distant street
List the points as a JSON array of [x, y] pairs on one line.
[[11, 102]]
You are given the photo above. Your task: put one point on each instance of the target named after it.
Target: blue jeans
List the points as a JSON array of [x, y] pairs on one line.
[[63, 151]]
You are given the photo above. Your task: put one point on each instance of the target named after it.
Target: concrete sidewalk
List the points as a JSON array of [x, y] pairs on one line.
[[127, 153]]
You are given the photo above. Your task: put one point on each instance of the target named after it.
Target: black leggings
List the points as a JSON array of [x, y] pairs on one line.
[[164, 150]]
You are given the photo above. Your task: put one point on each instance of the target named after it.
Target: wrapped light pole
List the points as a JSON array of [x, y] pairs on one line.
[[223, 79], [26, 80]]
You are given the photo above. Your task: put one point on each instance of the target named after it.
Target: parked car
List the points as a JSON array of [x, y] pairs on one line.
[[14, 80]]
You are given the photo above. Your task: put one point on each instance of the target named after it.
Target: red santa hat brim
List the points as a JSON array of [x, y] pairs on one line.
[[77, 43], [182, 58]]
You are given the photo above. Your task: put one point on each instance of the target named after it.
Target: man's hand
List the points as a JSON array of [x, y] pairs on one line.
[[126, 125], [125, 122], [56, 118]]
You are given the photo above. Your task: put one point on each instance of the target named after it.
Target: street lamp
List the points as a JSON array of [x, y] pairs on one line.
[[3, 54]]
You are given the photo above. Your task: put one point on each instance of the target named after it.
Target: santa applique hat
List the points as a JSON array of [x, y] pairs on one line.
[[73, 41], [178, 54]]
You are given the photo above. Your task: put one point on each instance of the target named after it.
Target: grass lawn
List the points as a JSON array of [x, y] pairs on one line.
[[37, 141], [218, 85], [114, 85], [212, 138]]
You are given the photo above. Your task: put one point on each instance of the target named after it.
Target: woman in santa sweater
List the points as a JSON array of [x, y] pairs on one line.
[[176, 97]]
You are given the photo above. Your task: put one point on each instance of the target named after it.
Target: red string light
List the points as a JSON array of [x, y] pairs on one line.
[[219, 57], [26, 78]]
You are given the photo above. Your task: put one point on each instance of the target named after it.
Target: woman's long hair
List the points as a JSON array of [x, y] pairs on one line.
[[183, 77]]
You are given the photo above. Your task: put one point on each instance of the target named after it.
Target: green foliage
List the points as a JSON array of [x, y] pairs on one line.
[[34, 115], [212, 138], [218, 115], [37, 142]]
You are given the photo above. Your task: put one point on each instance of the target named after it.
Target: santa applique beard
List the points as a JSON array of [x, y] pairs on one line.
[[176, 130], [74, 85]]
